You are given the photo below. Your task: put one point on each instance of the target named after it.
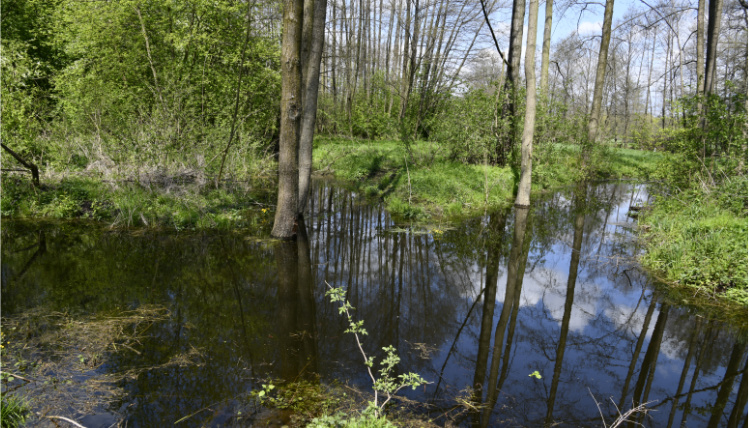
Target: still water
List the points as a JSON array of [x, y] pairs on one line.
[[534, 317]]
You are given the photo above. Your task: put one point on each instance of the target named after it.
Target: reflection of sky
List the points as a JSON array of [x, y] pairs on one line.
[[611, 300]]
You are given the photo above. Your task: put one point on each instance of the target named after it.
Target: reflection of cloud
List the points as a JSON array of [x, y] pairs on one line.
[[589, 27]]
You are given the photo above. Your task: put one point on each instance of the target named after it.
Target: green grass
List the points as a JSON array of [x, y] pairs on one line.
[[179, 207], [697, 239], [13, 411], [432, 186]]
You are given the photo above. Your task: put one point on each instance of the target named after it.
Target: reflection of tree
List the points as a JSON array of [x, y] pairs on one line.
[[685, 370], [296, 307], [738, 407], [732, 370], [636, 354], [647, 369], [497, 224], [41, 248], [507, 318], [571, 281]]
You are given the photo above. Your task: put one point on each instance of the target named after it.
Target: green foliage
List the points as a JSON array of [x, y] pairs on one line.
[[13, 411], [697, 238], [341, 420], [464, 126], [135, 83], [386, 384], [185, 207], [441, 187]]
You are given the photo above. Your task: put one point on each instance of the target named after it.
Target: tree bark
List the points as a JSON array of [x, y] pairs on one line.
[[546, 49], [713, 33], [700, 50], [291, 108], [603, 53], [311, 83], [524, 187]]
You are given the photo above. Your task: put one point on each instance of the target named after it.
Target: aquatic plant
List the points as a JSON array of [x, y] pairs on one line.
[[386, 384]]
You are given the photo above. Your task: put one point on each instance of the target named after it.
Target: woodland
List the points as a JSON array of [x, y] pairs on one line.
[[195, 115]]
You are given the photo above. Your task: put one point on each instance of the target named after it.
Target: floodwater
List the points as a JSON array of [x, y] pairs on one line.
[[519, 317]]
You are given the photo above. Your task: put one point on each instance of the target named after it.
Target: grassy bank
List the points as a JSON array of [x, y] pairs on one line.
[[427, 185], [165, 201], [696, 241]]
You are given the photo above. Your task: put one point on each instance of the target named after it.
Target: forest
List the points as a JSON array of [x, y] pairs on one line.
[[173, 119]]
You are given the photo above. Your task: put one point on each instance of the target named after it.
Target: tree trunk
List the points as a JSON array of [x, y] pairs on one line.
[[291, 109], [546, 49], [603, 54], [310, 91], [27, 164], [524, 187], [713, 33]]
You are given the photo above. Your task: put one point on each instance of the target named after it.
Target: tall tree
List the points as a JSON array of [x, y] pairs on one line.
[[713, 33], [546, 49], [314, 36], [291, 114], [603, 54], [524, 187]]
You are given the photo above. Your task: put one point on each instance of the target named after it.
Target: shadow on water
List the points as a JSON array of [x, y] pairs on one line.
[[518, 318]]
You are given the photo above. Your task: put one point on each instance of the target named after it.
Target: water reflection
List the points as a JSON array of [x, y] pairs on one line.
[[474, 309]]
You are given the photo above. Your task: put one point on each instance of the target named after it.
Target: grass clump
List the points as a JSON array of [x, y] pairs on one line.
[[13, 411], [697, 238]]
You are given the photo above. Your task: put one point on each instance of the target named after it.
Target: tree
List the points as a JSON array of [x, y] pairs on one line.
[[524, 187], [603, 53], [301, 54], [291, 113], [313, 38], [545, 51]]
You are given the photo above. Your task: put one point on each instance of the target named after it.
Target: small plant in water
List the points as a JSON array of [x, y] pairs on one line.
[[387, 384]]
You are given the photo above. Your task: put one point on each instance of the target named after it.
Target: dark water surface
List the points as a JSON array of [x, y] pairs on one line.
[[475, 308]]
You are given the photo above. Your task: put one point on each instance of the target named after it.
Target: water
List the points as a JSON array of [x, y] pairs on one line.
[[476, 308]]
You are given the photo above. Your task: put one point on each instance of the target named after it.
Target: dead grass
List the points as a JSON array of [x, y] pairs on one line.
[[54, 359]]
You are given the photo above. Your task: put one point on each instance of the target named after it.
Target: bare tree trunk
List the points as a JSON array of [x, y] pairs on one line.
[[398, 54], [650, 75], [334, 58], [291, 106], [524, 187], [713, 33], [603, 53], [310, 91], [700, 50], [546, 49], [388, 94]]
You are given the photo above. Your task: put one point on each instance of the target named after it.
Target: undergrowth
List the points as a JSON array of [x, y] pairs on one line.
[[697, 238], [135, 204], [428, 184]]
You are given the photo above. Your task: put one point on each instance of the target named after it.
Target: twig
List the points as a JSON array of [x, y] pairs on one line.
[[17, 376], [70, 421]]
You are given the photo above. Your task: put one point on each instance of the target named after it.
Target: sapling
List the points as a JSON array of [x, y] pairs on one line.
[[387, 384]]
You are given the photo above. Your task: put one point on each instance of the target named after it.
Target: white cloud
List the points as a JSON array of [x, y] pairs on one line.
[[589, 27]]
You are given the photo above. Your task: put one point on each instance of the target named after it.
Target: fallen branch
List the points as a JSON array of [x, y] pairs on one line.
[[70, 421]]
